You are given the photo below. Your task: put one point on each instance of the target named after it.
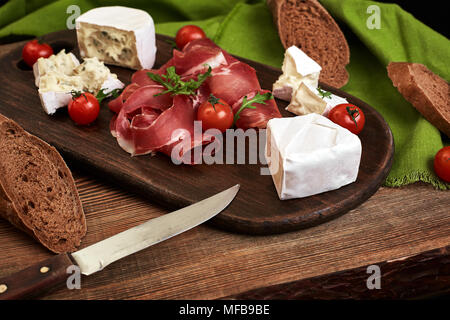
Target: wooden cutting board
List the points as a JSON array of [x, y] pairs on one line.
[[256, 209]]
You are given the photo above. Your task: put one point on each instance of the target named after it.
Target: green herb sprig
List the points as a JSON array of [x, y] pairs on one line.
[[214, 100], [101, 95], [324, 94], [248, 104], [174, 85]]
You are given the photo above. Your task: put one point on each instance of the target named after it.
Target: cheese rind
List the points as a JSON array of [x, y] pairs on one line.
[[332, 101], [297, 68], [118, 35], [310, 154]]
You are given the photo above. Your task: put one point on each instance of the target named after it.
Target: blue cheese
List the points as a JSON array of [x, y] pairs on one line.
[[117, 35], [58, 75]]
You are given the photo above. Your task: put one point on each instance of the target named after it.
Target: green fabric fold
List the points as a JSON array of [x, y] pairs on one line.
[[245, 28]]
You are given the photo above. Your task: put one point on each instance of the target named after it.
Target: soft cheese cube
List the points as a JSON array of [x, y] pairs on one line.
[[297, 67], [118, 35], [310, 154]]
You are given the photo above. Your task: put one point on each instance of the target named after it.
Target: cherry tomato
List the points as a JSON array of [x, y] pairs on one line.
[[215, 113], [348, 116], [442, 164], [84, 108], [187, 34], [33, 50]]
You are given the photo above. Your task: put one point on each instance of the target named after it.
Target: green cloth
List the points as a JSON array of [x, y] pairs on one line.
[[245, 28]]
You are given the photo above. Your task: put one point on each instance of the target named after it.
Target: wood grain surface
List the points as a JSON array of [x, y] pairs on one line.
[[394, 225], [207, 263], [255, 210]]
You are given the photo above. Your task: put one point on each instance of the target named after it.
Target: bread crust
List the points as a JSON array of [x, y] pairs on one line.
[[308, 25], [425, 90], [10, 209]]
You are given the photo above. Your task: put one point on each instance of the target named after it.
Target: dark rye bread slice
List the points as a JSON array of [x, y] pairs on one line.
[[37, 191], [309, 26], [425, 90]]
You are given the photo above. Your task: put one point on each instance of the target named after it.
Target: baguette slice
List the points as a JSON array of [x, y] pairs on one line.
[[309, 26], [425, 90], [37, 191]]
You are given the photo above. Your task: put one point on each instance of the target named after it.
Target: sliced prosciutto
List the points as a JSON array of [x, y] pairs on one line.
[[197, 60], [147, 121], [258, 117], [231, 82], [205, 42]]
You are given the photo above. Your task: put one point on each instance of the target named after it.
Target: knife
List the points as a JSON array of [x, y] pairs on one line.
[[53, 271]]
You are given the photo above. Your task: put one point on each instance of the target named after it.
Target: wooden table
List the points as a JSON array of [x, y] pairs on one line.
[[405, 231]]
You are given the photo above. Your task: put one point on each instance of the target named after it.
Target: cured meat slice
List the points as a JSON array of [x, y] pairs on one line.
[[147, 96], [152, 133], [206, 42], [146, 122], [117, 104], [233, 82], [142, 79], [197, 60], [142, 130], [256, 118]]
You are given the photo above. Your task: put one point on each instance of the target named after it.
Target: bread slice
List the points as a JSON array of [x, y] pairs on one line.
[[309, 26], [37, 191], [425, 90]]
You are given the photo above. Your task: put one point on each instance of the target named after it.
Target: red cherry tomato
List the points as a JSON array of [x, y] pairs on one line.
[[215, 113], [187, 34], [442, 164], [84, 108], [348, 116], [33, 50]]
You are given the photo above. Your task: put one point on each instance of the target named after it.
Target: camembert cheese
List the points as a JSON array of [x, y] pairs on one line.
[[297, 68], [310, 154], [117, 35]]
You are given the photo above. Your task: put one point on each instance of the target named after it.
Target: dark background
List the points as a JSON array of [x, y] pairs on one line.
[[433, 13]]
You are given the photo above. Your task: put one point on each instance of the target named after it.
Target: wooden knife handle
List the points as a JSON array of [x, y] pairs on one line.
[[35, 279]]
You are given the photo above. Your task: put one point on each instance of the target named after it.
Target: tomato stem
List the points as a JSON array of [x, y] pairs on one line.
[[352, 111], [214, 100], [75, 94]]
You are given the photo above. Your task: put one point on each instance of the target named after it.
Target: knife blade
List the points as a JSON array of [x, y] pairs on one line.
[[35, 279]]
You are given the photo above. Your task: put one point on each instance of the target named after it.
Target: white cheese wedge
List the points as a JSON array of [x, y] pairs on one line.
[[307, 100], [310, 154], [297, 68], [117, 35], [60, 74], [332, 101]]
